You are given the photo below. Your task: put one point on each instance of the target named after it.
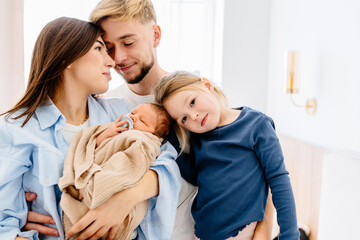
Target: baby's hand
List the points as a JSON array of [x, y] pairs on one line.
[[114, 129]]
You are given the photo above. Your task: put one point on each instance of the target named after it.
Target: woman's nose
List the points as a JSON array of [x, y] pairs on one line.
[[109, 61]]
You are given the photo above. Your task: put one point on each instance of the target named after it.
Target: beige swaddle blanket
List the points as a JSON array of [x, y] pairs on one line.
[[118, 163]]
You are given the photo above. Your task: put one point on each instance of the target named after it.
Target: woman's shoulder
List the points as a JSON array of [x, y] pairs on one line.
[[113, 107]]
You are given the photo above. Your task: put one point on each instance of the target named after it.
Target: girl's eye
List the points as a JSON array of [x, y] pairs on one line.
[[184, 119], [128, 44], [98, 48], [192, 103]]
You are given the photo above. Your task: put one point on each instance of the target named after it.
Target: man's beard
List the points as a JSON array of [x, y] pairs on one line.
[[144, 71]]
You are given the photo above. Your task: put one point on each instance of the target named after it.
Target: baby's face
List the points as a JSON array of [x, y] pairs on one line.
[[144, 118]]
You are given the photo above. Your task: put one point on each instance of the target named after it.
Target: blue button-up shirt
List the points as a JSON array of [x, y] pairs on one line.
[[32, 158]]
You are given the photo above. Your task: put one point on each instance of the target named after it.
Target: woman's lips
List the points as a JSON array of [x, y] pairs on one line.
[[108, 75], [204, 120]]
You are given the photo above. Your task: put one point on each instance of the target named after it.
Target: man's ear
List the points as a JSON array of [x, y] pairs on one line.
[[157, 35], [207, 84]]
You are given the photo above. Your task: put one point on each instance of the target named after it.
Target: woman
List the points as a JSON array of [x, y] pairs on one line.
[[69, 66]]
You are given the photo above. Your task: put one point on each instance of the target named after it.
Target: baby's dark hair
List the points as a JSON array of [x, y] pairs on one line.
[[163, 121]]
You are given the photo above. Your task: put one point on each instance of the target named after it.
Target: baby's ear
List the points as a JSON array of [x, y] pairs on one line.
[[208, 84]]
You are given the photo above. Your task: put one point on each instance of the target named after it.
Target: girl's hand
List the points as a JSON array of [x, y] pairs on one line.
[[35, 221], [108, 217]]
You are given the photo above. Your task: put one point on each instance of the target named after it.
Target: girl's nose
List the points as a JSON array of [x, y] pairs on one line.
[[195, 115]]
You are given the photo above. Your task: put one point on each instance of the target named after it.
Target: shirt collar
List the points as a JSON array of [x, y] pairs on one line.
[[48, 114]]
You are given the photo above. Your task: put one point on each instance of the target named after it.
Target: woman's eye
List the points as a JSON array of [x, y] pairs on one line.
[[192, 102], [98, 48], [128, 44], [183, 120]]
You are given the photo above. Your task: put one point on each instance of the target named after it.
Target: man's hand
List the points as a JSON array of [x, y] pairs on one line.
[[108, 217], [36, 220]]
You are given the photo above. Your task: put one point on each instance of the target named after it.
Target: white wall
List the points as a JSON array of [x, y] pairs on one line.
[[245, 52], [12, 57], [327, 33]]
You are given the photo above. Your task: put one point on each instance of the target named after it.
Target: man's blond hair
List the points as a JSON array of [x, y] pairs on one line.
[[122, 10]]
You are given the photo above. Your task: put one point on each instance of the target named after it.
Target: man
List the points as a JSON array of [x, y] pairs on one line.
[[132, 36]]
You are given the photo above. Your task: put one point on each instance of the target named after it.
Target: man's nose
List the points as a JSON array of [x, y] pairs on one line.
[[119, 56]]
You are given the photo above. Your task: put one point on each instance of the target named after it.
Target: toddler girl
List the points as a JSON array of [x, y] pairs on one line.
[[235, 156]]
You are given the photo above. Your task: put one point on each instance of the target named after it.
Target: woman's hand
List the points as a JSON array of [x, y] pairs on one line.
[[35, 221]]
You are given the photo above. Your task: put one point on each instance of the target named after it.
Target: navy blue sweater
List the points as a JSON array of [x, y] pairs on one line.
[[234, 165]]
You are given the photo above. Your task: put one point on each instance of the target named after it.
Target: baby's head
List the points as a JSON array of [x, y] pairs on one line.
[[149, 117]]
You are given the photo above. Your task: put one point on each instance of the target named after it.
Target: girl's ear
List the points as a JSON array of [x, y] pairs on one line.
[[68, 67], [207, 84]]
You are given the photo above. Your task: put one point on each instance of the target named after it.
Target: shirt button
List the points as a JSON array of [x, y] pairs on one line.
[[46, 180]]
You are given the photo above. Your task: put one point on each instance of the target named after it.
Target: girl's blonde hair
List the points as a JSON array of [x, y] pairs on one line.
[[180, 81], [122, 10]]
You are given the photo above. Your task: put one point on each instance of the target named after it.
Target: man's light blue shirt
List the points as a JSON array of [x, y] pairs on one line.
[[32, 158]]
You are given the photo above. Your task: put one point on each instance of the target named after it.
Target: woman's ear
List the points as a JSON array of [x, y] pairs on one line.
[[68, 67], [207, 84]]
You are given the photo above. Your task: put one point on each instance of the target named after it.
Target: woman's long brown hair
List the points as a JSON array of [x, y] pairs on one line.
[[59, 44]]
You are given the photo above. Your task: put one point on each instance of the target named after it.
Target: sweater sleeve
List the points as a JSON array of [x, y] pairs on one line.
[[158, 223], [268, 150]]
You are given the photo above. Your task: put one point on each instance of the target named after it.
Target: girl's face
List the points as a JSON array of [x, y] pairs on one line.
[[197, 110], [91, 73]]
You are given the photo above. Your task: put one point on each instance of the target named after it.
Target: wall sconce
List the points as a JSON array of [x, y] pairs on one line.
[[292, 66]]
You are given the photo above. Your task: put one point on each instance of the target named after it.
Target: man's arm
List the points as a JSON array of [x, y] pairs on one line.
[[110, 215]]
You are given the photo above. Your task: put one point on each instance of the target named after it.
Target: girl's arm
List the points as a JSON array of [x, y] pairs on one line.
[[268, 150], [161, 185]]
